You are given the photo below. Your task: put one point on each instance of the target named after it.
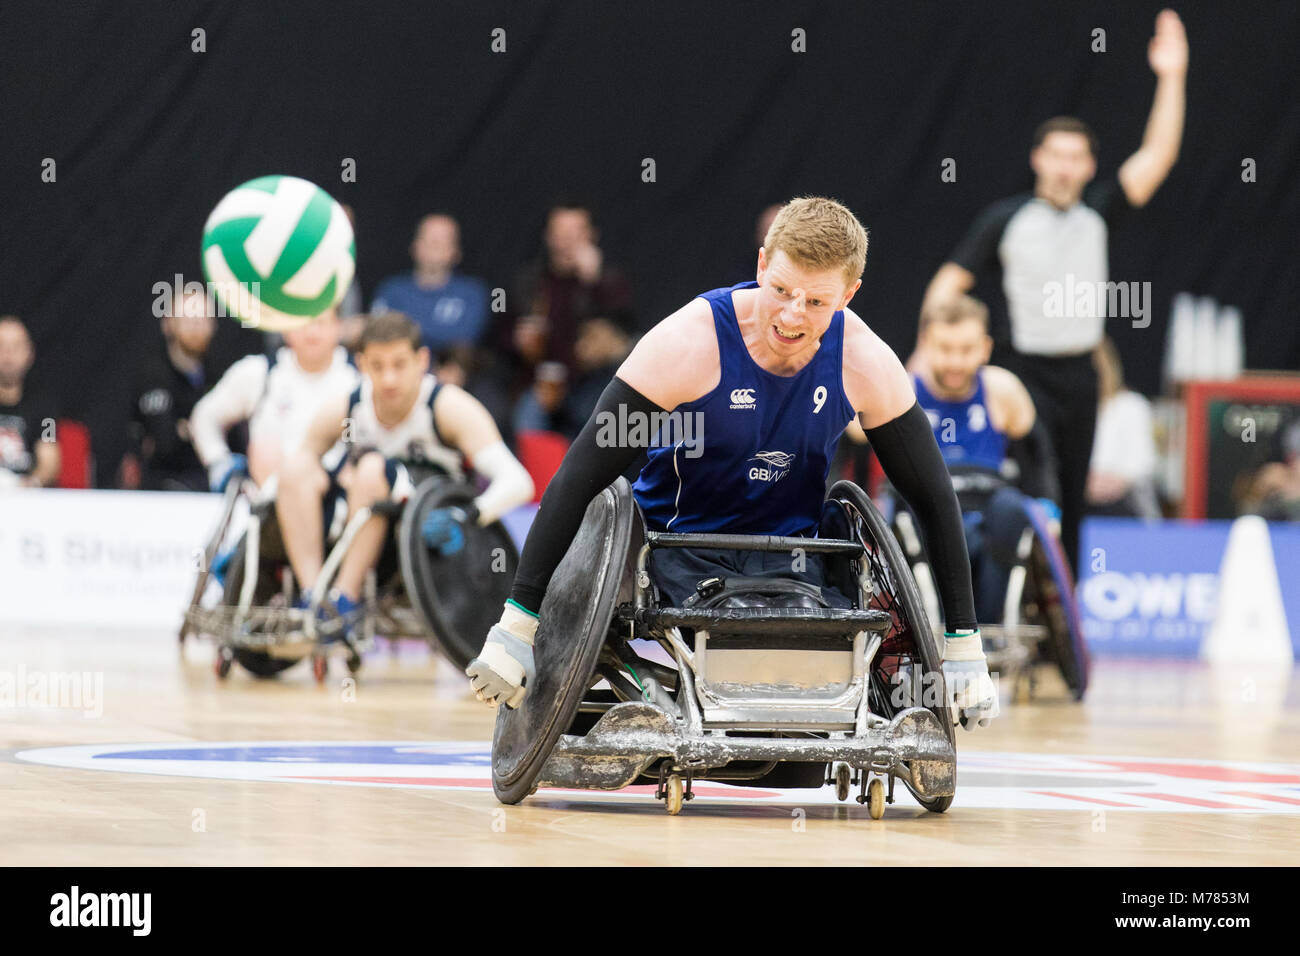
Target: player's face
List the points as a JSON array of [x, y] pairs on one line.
[[313, 344], [795, 304], [15, 354], [1064, 164], [395, 370], [954, 352], [437, 244]]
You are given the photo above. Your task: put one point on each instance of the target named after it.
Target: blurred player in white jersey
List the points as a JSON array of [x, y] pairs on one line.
[[278, 396]]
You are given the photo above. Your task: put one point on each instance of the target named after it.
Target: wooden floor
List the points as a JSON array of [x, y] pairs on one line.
[[1053, 783]]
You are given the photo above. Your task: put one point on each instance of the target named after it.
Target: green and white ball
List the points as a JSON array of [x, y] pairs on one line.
[[278, 252]]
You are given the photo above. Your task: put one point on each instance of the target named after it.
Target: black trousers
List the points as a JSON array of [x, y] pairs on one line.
[[1064, 390]]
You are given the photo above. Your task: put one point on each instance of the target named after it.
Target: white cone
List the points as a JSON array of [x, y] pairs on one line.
[[1204, 362], [1180, 349], [1249, 619], [1229, 348]]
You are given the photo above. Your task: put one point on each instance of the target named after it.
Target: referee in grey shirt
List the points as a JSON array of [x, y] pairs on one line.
[[1052, 242]]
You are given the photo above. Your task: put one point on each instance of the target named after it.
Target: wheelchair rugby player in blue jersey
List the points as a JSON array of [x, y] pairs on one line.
[[802, 652], [1003, 471]]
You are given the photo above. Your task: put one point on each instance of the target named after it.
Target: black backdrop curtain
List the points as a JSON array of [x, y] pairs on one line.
[[147, 135]]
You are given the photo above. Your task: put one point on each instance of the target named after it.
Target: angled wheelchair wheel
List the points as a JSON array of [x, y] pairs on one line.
[[911, 653], [576, 615], [255, 662], [1052, 591], [458, 597], [229, 501]]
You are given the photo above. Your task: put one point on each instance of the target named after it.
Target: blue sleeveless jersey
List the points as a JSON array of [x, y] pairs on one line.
[[965, 433], [767, 440]]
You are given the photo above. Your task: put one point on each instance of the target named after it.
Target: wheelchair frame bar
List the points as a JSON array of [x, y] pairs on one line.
[[754, 542], [631, 737]]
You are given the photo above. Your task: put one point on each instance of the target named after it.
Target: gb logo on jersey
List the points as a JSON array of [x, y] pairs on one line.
[[772, 466], [743, 398]]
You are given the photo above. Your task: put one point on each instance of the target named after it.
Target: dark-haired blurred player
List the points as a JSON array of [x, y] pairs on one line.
[[29, 451]]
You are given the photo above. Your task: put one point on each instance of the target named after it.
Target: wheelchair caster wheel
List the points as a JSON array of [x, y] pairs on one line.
[[225, 657], [876, 799], [319, 667], [843, 781], [673, 794]]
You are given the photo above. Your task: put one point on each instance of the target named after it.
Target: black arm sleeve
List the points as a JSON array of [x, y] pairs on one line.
[[588, 467], [1033, 455], [910, 457]]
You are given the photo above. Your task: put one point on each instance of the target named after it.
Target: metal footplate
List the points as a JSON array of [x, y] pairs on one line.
[[274, 631], [632, 736]]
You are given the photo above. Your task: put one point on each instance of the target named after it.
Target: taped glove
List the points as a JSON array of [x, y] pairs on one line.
[[971, 691], [504, 667]]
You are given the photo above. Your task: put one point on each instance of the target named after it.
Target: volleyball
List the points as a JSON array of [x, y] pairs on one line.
[[278, 251]]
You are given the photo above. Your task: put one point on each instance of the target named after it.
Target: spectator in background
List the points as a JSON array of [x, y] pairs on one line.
[[29, 451], [1121, 476], [1273, 492], [167, 388], [560, 400], [600, 349], [542, 408], [569, 284], [451, 309]]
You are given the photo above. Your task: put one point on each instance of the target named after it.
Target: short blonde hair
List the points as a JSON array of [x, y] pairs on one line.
[[819, 233], [952, 311]]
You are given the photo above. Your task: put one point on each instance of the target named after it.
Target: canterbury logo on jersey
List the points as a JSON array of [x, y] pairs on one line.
[[743, 398], [773, 466]]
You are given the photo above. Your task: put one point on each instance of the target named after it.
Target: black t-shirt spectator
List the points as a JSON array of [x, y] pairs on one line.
[[21, 427], [161, 403]]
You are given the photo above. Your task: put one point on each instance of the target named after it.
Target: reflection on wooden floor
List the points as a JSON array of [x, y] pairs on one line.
[[1136, 775]]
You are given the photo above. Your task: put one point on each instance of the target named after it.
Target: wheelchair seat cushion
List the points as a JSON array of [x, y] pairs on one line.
[[756, 592]]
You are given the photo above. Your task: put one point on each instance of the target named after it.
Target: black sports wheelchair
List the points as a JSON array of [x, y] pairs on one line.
[[768, 683], [449, 601], [1039, 624]]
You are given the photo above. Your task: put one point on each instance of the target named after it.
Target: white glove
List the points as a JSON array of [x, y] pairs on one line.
[[973, 695], [504, 668]]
